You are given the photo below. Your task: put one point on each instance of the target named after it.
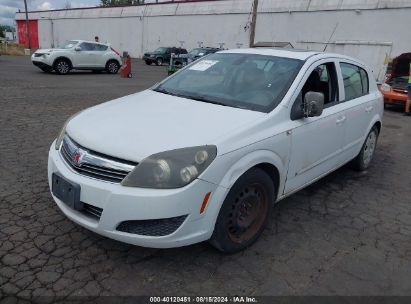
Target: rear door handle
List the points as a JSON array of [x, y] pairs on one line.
[[369, 109], [340, 120]]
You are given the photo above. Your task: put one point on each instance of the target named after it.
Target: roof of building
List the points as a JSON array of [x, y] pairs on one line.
[[203, 7]]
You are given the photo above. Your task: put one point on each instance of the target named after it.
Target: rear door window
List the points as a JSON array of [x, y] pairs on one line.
[[356, 83], [86, 46], [100, 47]]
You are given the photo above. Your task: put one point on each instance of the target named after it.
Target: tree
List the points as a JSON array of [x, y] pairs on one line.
[[67, 5], [5, 28], [120, 2]]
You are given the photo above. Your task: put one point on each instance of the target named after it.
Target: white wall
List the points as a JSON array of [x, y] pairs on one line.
[[367, 29]]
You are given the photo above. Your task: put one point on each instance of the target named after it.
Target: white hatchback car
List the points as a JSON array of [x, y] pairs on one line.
[[78, 55], [204, 154]]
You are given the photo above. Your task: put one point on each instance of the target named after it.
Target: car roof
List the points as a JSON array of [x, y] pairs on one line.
[[292, 53], [89, 41], [279, 52]]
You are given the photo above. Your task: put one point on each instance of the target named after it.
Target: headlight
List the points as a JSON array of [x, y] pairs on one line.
[[171, 169], [63, 131], [385, 87]]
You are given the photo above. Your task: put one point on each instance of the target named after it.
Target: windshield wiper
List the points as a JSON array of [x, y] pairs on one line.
[[205, 99], [194, 97], [164, 91]]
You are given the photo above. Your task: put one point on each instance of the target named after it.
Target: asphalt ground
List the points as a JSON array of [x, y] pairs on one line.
[[347, 234]]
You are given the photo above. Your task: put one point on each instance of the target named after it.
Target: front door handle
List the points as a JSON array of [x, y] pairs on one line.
[[369, 109], [340, 120]]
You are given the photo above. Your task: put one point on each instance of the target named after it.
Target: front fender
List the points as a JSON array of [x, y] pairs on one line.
[[249, 161]]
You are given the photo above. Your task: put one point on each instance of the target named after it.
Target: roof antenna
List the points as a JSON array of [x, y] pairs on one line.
[[332, 34]]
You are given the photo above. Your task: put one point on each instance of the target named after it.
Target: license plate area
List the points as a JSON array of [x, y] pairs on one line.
[[67, 191]]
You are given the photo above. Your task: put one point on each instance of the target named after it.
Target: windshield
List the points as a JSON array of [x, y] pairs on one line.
[[160, 50], [68, 44], [399, 82], [247, 81]]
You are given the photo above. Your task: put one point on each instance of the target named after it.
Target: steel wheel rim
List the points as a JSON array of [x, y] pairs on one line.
[[369, 147], [248, 212], [63, 67], [112, 67]]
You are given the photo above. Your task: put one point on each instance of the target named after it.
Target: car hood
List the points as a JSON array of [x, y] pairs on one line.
[[139, 125], [42, 51]]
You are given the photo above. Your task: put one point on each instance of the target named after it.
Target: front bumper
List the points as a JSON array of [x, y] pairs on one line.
[[393, 97], [122, 204], [41, 61]]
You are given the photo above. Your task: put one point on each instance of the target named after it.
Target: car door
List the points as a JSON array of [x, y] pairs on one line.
[[102, 55], [316, 142], [360, 105], [87, 56]]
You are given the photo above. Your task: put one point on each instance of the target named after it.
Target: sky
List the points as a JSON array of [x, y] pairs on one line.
[[8, 8]]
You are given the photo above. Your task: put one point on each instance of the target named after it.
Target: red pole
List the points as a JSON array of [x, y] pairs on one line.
[[27, 24]]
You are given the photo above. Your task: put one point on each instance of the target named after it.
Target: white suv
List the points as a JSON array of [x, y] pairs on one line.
[[204, 154], [78, 55]]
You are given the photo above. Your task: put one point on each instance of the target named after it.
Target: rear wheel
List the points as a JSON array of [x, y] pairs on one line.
[[62, 66], [244, 213], [364, 158], [112, 67]]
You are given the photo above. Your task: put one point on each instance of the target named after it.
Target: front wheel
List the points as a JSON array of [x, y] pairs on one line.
[[112, 67], [364, 158], [148, 62], [244, 213], [62, 66]]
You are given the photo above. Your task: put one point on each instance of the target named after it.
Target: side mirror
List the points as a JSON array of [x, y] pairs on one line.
[[313, 104], [77, 48]]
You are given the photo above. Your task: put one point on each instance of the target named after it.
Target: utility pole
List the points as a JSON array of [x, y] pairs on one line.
[[253, 23], [27, 24]]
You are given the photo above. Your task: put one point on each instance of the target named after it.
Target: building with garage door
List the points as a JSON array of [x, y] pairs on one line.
[[371, 30]]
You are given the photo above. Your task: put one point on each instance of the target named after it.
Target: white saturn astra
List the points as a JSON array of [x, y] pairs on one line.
[[78, 55], [204, 154]]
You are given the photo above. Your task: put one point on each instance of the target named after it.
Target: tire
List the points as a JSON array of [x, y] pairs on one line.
[[112, 67], [244, 213], [159, 61], [62, 66], [363, 160], [148, 62], [47, 69]]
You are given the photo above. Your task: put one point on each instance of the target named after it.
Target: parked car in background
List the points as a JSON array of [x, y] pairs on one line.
[[78, 55], [395, 87], [179, 61], [204, 154], [162, 55], [196, 53]]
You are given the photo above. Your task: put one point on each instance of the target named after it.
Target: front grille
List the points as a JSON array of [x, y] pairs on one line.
[[92, 211], [38, 55], [93, 164], [402, 91], [159, 227]]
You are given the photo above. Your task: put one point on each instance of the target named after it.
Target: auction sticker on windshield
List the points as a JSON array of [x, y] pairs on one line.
[[203, 65]]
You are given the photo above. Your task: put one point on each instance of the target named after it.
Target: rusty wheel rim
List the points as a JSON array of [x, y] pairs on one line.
[[247, 214]]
